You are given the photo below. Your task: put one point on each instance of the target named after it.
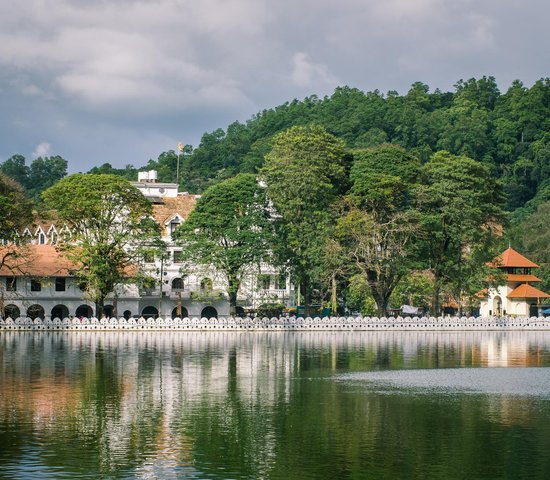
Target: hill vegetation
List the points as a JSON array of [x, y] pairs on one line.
[[508, 132]]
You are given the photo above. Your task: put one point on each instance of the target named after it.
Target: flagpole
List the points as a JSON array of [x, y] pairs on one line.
[[180, 149]]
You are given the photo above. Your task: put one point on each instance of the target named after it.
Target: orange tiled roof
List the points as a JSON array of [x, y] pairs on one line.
[[513, 277], [37, 261], [182, 205], [527, 291], [511, 258]]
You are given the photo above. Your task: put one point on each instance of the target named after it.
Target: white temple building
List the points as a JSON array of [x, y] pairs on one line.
[[516, 296]]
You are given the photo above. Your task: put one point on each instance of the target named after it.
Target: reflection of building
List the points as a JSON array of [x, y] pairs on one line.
[[516, 296], [40, 283]]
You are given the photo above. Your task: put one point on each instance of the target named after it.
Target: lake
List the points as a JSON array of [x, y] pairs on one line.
[[275, 405]]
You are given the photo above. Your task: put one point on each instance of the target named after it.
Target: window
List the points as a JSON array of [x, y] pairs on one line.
[[60, 284], [178, 256], [41, 239], [11, 284], [177, 284], [36, 285], [264, 281], [174, 224]]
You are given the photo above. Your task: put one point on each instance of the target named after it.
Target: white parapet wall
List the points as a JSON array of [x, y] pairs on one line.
[[280, 324]]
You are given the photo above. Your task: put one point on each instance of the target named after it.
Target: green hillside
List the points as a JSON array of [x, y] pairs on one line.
[[510, 132]]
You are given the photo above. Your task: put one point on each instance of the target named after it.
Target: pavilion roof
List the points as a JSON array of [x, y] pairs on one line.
[[511, 258], [515, 277], [527, 291]]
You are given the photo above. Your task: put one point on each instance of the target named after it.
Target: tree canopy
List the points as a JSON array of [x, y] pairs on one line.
[[305, 173], [230, 229], [42, 173], [15, 216], [461, 207], [109, 220]]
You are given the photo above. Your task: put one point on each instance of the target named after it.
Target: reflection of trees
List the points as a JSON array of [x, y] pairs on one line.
[[262, 405]]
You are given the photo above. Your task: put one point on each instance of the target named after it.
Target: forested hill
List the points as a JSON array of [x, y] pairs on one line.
[[509, 131]]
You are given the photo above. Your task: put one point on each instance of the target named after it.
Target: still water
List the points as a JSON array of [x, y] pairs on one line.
[[295, 405]]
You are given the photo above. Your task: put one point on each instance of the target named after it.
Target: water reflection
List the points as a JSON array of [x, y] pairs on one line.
[[269, 405]]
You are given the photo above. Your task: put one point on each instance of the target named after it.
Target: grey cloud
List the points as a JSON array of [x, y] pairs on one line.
[[151, 73]]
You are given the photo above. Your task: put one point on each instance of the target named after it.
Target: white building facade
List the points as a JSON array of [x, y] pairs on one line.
[[46, 287]]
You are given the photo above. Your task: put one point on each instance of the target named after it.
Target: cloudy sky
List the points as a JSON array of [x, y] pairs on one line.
[[121, 81]]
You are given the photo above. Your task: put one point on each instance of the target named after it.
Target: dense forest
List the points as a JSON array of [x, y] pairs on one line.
[[509, 132]]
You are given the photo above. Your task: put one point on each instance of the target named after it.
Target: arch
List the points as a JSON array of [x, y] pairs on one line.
[[36, 311], [209, 312], [497, 306], [127, 314], [206, 284], [12, 311], [84, 311], [177, 284], [60, 311], [108, 310], [240, 311], [184, 312], [150, 312]]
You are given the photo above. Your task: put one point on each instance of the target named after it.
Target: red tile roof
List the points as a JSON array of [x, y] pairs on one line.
[[511, 258], [182, 205], [36, 261], [513, 277], [527, 291]]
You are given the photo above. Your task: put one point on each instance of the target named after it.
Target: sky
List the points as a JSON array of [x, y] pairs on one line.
[[121, 81]]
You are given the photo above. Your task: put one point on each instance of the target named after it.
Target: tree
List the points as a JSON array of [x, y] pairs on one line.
[[305, 172], [110, 222], [532, 236], [15, 209], [45, 172], [378, 225], [15, 168], [461, 205], [15, 216], [128, 172], [230, 229], [379, 249]]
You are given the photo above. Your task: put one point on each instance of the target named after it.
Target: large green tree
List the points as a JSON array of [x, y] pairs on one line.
[[110, 221], [461, 205], [45, 172], [16, 168], [15, 216], [229, 229], [378, 229], [379, 250], [15, 209], [305, 173]]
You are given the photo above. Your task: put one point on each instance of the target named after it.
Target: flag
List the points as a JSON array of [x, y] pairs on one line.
[[180, 147]]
